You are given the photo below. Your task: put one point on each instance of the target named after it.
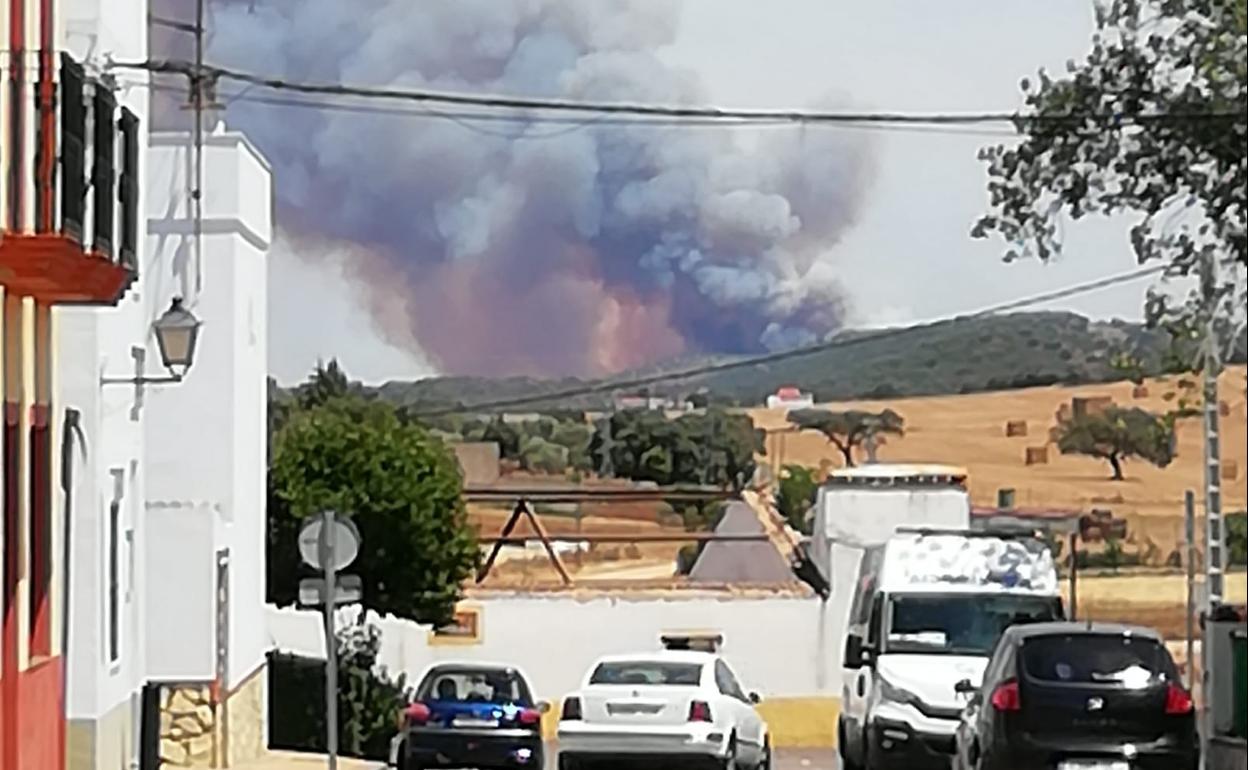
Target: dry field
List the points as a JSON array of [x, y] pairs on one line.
[[969, 431]]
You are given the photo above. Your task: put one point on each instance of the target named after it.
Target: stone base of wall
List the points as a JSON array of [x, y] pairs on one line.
[[188, 727], [196, 732], [246, 716], [101, 744]]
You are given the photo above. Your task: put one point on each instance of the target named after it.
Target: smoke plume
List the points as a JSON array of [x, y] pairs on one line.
[[529, 247]]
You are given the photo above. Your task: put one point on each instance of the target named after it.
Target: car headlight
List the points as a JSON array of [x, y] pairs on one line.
[[891, 692]]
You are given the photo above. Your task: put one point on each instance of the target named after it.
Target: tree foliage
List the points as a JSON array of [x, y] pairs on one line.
[[368, 698], [1151, 123], [1116, 435], [711, 448], [848, 430], [796, 494], [401, 485]]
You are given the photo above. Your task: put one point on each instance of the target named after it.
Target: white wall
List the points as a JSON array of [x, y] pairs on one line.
[[96, 342], [207, 437], [781, 644]]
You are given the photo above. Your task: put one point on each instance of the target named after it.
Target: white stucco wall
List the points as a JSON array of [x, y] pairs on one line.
[[780, 644], [96, 342], [206, 437]]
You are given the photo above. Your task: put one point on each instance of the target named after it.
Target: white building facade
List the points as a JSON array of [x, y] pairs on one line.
[[206, 448], [105, 572], [166, 639]]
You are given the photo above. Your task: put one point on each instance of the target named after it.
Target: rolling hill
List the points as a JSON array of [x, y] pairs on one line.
[[966, 355]]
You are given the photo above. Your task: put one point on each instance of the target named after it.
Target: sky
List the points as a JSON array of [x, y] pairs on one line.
[[907, 257]]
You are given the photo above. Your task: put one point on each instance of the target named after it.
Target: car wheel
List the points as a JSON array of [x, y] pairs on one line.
[[733, 760], [765, 763], [848, 762]]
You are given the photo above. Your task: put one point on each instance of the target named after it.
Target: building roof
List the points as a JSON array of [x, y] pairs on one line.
[[737, 561]]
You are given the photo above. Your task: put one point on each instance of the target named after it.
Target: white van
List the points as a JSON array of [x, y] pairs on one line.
[[928, 608]]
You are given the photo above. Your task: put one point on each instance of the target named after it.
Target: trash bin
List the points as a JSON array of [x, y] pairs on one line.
[[1239, 727]]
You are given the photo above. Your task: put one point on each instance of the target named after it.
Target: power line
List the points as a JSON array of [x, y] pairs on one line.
[[467, 119], [606, 386], [649, 110]]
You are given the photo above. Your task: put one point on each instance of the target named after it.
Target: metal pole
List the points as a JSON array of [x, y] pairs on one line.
[[1189, 530], [1213, 480], [331, 641], [1074, 576], [197, 102]]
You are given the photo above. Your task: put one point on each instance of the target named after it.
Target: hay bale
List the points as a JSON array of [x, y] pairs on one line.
[[1064, 413], [1016, 428], [1230, 470], [1139, 391], [1037, 455]]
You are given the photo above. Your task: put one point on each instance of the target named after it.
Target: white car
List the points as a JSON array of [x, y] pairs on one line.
[[663, 707]]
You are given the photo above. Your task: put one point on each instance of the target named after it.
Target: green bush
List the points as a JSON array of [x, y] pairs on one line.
[[368, 701]]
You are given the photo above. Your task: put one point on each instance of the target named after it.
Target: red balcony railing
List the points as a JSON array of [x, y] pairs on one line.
[[72, 235]]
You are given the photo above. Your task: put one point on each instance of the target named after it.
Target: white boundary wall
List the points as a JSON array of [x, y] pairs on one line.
[[783, 645]]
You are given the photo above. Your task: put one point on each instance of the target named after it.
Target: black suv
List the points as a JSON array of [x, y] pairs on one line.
[[1078, 696]]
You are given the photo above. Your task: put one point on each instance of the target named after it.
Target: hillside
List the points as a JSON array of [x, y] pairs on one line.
[[969, 430], [960, 356]]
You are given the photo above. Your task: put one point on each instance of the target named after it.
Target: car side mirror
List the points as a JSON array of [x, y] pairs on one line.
[[755, 698], [543, 707], [857, 653]]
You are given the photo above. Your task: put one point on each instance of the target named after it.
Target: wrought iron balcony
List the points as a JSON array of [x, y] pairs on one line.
[[71, 236]]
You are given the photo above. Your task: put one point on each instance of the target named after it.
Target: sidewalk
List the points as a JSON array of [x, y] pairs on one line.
[[290, 760]]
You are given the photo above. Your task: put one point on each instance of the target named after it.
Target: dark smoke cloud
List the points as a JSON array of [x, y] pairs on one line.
[[550, 249]]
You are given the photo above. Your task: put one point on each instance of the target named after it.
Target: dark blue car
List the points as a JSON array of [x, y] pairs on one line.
[[471, 715]]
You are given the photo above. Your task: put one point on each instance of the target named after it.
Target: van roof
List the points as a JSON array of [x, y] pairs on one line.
[[951, 562]]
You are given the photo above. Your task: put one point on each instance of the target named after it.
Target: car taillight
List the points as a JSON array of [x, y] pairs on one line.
[[417, 714], [1006, 697], [571, 710], [529, 717], [1178, 702], [699, 711]]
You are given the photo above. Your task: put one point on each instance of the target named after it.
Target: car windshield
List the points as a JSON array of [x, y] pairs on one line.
[[647, 673], [474, 685], [1133, 663], [967, 624]]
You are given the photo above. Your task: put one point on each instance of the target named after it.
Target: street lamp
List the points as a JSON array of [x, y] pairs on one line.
[[177, 332]]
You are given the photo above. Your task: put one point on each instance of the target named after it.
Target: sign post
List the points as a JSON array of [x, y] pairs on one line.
[[330, 542]]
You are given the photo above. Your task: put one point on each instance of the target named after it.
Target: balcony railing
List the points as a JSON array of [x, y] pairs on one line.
[[72, 235]]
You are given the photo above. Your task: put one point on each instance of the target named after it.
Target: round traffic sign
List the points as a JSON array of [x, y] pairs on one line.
[[343, 541]]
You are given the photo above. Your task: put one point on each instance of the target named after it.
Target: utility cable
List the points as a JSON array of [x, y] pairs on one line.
[[492, 101]]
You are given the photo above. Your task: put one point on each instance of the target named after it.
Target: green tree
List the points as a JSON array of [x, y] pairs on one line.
[[796, 494], [1152, 124], [1116, 435], [327, 382], [711, 448], [848, 430], [538, 454], [1237, 539], [401, 485]]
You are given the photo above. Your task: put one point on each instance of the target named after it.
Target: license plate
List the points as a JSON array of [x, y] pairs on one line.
[[1094, 764], [474, 722]]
